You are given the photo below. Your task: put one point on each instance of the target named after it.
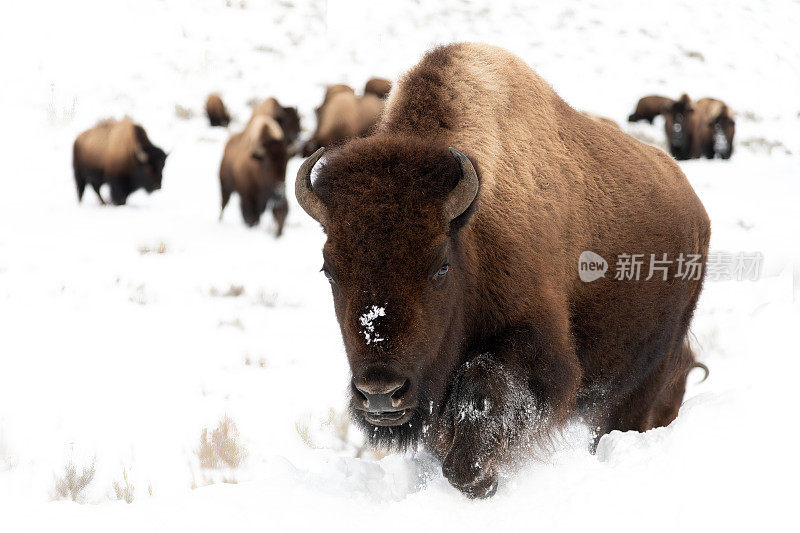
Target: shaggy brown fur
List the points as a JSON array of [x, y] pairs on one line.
[[715, 129], [117, 152], [602, 120], [344, 116], [378, 86], [681, 126], [649, 107], [216, 111], [254, 166], [287, 118], [478, 331]]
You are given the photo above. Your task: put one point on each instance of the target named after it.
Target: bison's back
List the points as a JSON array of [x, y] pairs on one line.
[[554, 183]]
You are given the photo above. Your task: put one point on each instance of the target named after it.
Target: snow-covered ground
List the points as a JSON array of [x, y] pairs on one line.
[[126, 331]]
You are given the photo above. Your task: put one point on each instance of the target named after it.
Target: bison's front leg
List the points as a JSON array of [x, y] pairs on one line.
[[503, 401]]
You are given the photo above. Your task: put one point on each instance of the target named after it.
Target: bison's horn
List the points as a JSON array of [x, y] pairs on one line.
[[465, 190], [306, 196]]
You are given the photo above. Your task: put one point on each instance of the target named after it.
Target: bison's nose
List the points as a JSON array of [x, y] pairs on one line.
[[383, 396]]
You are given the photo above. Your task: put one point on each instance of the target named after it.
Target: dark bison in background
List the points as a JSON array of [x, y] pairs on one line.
[[216, 111], [254, 166], [287, 118], [453, 239], [378, 86], [681, 126], [119, 153], [342, 116], [649, 107], [716, 127]]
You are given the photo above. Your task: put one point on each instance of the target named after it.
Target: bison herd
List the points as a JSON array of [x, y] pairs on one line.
[[693, 129], [455, 212], [119, 153]]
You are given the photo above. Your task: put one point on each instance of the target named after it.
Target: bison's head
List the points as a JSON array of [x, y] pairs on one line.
[[678, 118], [393, 210], [150, 162], [724, 128]]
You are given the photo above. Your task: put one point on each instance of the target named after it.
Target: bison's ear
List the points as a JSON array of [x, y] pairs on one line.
[[458, 204], [141, 155]]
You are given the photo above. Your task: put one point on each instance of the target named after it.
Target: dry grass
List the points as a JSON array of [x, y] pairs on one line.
[[235, 323], [335, 432], [124, 490], [71, 485], [234, 291], [183, 113], [220, 447], [267, 299], [160, 248], [219, 455]]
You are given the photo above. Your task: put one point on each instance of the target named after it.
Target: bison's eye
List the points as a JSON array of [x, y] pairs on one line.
[[328, 275], [442, 272]]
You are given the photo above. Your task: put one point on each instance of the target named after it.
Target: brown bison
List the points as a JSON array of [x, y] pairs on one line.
[[601, 120], [378, 86], [454, 235], [254, 166], [649, 107], [287, 118], [342, 116], [119, 153], [716, 128], [216, 111], [680, 125]]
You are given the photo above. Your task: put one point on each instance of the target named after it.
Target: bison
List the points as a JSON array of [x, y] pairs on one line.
[[601, 120], [649, 107], [716, 127], [216, 111], [254, 166], [453, 240], [680, 125], [378, 86], [342, 116], [119, 153], [287, 118]]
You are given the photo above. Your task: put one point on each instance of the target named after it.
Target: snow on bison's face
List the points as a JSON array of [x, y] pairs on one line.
[[392, 210]]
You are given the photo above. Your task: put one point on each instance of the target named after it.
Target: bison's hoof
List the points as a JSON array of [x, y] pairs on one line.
[[472, 482]]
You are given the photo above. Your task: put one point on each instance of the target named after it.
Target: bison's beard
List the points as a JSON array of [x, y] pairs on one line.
[[406, 436]]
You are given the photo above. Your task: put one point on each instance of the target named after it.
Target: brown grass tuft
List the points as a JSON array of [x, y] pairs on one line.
[[72, 485]]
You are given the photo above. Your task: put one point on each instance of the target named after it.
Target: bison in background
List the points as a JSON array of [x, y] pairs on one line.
[[342, 116], [254, 166], [378, 86], [453, 238], [680, 126], [119, 153], [216, 111], [287, 118], [716, 128], [649, 107]]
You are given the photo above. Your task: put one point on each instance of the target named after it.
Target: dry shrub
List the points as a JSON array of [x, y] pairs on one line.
[[160, 248], [234, 291], [72, 485], [334, 433], [124, 490], [221, 448], [183, 113], [219, 455], [236, 323]]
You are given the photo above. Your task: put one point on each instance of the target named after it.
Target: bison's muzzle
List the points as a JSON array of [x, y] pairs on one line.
[[384, 400]]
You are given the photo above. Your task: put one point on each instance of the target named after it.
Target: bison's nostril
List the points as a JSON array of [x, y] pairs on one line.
[[382, 397]]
